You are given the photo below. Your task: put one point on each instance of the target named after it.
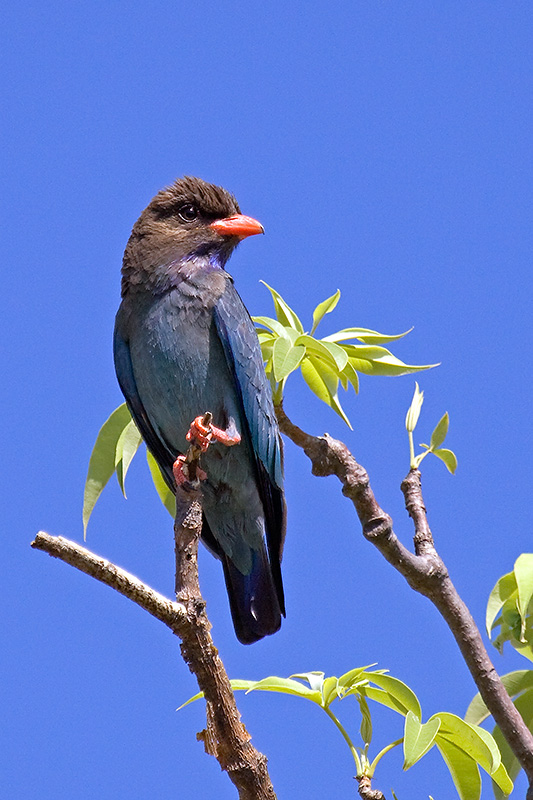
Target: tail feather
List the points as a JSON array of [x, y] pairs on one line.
[[253, 599]]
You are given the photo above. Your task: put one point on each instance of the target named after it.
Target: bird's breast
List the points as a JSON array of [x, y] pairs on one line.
[[179, 364]]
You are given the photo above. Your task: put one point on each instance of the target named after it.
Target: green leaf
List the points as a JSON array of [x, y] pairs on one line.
[[504, 588], [380, 361], [448, 457], [523, 570], [284, 312], [165, 495], [364, 335], [323, 308], [324, 382], [404, 697], [331, 353], [287, 686], [351, 376], [524, 704], [236, 685], [418, 738], [330, 691], [413, 413], [102, 461], [272, 324], [127, 445], [515, 683], [315, 679], [439, 432], [366, 721], [468, 738], [264, 335], [463, 769], [285, 358]]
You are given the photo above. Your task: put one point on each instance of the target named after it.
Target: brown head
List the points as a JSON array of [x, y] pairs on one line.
[[190, 219]]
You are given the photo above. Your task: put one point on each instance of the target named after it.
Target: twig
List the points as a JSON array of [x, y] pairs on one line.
[[366, 792], [424, 571]]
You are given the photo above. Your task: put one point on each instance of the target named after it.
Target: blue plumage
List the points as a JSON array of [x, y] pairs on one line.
[[185, 344]]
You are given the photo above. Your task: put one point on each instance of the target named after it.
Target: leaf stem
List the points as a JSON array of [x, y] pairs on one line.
[[381, 753], [348, 741]]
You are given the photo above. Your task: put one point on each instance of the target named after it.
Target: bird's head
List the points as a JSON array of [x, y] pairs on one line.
[[187, 221]]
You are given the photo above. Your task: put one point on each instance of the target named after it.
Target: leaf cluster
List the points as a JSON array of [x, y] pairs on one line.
[[509, 609], [438, 436], [464, 746], [328, 362]]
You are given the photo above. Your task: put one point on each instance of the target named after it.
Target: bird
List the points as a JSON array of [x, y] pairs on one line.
[[185, 344]]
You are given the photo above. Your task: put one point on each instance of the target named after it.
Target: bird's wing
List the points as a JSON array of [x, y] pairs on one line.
[[126, 378], [243, 354]]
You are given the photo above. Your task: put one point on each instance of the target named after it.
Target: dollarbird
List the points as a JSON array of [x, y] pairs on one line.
[[184, 344]]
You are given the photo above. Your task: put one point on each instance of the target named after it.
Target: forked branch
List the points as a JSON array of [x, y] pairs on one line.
[[424, 570]]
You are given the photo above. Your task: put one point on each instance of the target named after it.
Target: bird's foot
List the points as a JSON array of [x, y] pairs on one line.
[[201, 434], [180, 470]]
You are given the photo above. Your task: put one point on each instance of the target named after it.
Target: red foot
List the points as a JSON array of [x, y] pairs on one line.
[[180, 469], [201, 435]]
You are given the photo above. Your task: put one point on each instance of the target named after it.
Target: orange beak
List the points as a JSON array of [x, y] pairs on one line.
[[238, 225]]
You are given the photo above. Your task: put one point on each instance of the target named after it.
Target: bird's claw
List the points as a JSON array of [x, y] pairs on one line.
[[180, 470], [201, 435]]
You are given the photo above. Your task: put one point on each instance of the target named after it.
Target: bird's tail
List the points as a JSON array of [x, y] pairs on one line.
[[253, 599]]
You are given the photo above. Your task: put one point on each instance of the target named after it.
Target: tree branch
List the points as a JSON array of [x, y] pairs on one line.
[[366, 792], [225, 735], [424, 571]]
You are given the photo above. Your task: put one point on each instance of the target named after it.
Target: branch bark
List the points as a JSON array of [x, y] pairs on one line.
[[424, 571], [225, 736]]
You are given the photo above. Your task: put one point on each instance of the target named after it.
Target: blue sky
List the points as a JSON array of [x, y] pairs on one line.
[[386, 148]]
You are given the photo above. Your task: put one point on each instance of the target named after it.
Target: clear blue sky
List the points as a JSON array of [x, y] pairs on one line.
[[386, 148]]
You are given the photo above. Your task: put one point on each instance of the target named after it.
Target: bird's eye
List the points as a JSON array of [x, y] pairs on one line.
[[188, 212]]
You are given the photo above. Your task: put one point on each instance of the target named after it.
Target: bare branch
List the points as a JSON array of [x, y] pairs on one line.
[[160, 607], [225, 736], [424, 571]]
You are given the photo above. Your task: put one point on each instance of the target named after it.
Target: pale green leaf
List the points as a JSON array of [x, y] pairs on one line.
[[332, 353], [380, 361], [323, 308], [468, 738], [102, 461], [354, 676], [515, 683], [523, 570], [272, 324], [524, 704], [502, 591], [364, 335], [463, 769], [413, 413], [330, 690], [284, 312], [448, 457], [350, 376], [236, 685], [127, 445], [165, 495], [418, 738], [264, 335], [399, 691], [324, 382], [366, 721], [285, 358], [287, 686], [315, 679], [439, 432]]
